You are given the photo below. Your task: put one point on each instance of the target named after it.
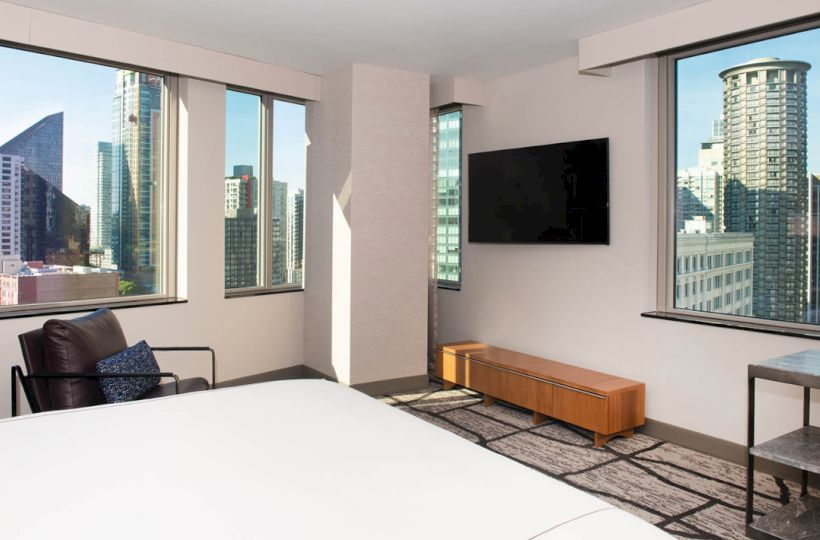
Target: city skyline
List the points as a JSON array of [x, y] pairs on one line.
[[84, 98], [754, 174]]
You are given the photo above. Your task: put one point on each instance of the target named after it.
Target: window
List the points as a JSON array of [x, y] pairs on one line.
[[86, 182], [243, 151], [741, 163], [264, 193], [446, 143]]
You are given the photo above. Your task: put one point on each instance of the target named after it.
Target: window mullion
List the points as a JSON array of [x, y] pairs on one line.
[[265, 195]]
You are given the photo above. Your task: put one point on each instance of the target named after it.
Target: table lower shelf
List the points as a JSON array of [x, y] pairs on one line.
[[799, 448], [800, 519]]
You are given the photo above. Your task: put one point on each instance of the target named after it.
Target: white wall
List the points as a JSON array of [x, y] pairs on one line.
[[582, 304], [250, 335]]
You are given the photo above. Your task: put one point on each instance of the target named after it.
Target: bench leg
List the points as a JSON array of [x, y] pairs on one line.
[[488, 400], [447, 385], [538, 418], [601, 440]]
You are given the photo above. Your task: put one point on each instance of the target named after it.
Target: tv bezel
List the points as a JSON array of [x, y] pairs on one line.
[[542, 242]]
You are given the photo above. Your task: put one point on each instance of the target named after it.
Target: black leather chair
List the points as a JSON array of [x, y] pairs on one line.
[[61, 360]]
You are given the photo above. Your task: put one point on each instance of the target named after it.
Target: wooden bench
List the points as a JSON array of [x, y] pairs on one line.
[[604, 404]]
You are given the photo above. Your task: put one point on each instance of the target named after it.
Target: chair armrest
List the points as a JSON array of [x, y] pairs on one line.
[[18, 375], [84, 375], [195, 348]]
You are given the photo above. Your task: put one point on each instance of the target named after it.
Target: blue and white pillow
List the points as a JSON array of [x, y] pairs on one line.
[[136, 359]]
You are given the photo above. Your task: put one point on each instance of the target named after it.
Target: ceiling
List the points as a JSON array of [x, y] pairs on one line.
[[469, 38]]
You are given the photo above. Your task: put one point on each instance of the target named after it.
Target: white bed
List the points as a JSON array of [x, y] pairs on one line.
[[290, 459]]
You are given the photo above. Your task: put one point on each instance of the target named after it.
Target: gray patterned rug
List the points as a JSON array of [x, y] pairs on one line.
[[686, 493]]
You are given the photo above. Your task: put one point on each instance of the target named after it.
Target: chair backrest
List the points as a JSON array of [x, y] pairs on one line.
[[31, 343], [70, 346]]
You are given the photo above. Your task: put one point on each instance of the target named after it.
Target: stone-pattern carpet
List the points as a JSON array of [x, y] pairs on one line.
[[686, 493]]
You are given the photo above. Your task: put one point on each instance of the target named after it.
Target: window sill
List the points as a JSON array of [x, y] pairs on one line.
[[449, 286], [734, 325], [260, 292], [45, 312]]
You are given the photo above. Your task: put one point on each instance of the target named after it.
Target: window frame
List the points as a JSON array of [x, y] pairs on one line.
[[168, 193], [436, 113], [264, 235], [667, 185]]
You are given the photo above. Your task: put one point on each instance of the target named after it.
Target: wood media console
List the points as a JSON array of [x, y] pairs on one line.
[[604, 404]]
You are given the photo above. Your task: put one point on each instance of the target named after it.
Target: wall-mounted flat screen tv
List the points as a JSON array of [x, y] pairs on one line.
[[557, 193]]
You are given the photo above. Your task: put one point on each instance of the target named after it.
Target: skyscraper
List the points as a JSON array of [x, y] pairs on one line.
[[296, 220], [448, 242], [814, 249], [11, 171], [699, 193], [54, 229], [135, 159], [240, 171], [279, 218], [766, 191], [101, 214], [41, 147], [700, 189], [240, 248]]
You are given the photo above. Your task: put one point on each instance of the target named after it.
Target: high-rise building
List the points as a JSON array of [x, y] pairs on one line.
[[240, 248], [135, 161], [699, 193], [279, 224], [710, 153], [714, 272], [700, 189], [101, 213], [813, 310], [766, 192], [54, 229], [241, 171], [241, 189], [448, 160], [41, 147], [239, 193], [11, 171], [296, 222], [241, 216]]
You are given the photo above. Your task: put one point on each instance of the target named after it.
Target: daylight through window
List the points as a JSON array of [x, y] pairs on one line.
[[447, 149], [264, 193], [82, 181], [747, 182]]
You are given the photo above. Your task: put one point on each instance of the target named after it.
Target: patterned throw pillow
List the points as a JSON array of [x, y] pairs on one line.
[[136, 359]]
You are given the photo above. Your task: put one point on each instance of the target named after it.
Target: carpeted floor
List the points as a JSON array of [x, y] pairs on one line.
[[686, 493]]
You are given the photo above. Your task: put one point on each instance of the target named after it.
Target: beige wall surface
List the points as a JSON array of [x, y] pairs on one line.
[[391, 193], [66, 34], [697, 23], [366, 282], [327, 227], [582, 304], [250, 335]]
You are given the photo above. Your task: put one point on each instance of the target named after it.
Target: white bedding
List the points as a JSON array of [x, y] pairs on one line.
[[289, 459]]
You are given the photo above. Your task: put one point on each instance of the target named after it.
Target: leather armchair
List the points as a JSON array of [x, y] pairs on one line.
[[61, 363]]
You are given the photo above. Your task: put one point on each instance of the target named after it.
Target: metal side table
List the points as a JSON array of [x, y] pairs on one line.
[[799, 449]]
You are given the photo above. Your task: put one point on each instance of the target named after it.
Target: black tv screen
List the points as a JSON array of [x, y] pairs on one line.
[[557, 193]]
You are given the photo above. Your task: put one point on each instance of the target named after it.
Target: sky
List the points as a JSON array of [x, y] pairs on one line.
[[700, 90], [45, 84], [289, 141]]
